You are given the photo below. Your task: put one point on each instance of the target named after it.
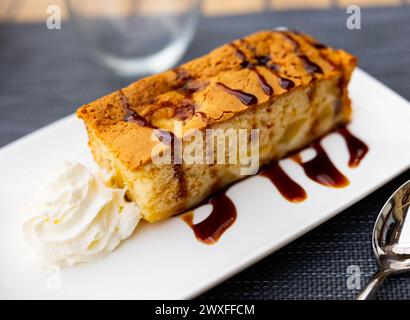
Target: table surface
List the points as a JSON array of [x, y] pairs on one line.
[[47, 75]]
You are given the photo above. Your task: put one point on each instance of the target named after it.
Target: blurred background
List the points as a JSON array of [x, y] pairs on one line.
[[140, 37], [35, 10], [47, 72]]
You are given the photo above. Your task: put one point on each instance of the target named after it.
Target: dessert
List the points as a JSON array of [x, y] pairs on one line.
[[76, 217], [281, 82]]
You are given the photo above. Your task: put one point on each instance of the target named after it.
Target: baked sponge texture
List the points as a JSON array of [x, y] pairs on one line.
[[286, 84]]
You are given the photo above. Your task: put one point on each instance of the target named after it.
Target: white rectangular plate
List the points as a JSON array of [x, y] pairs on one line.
[[164, 260]]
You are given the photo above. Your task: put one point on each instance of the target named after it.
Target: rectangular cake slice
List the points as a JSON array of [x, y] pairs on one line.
[[284, 83]]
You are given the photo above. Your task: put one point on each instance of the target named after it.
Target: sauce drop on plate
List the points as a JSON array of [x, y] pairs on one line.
[[222, 216]]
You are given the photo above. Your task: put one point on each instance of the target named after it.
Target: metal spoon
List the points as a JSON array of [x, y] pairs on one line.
[[390, 246]]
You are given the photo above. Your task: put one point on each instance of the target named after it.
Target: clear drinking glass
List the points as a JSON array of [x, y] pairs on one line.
[[135, 37]]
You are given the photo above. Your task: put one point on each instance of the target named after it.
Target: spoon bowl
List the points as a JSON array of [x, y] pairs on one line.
[[390, 246]]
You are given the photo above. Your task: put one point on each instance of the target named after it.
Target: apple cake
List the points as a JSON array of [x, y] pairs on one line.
[[287, 85]]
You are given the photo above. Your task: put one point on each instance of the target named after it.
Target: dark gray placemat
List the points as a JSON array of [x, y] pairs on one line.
[[46, 74]]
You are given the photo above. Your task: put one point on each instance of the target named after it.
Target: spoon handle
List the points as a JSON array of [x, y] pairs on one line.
[[369, 290]]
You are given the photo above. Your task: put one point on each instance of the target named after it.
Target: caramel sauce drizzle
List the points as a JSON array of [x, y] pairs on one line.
[[222, 216], [246, 98], [264, 61], [311, 67], [357, 148], [287, 187], [169, 138], [131, 115], [267, 89], [319, 169]]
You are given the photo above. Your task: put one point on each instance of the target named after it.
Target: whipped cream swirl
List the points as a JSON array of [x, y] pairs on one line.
[[76, 217]]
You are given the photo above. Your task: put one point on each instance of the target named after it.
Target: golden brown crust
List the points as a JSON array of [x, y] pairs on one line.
[[200, 92]]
